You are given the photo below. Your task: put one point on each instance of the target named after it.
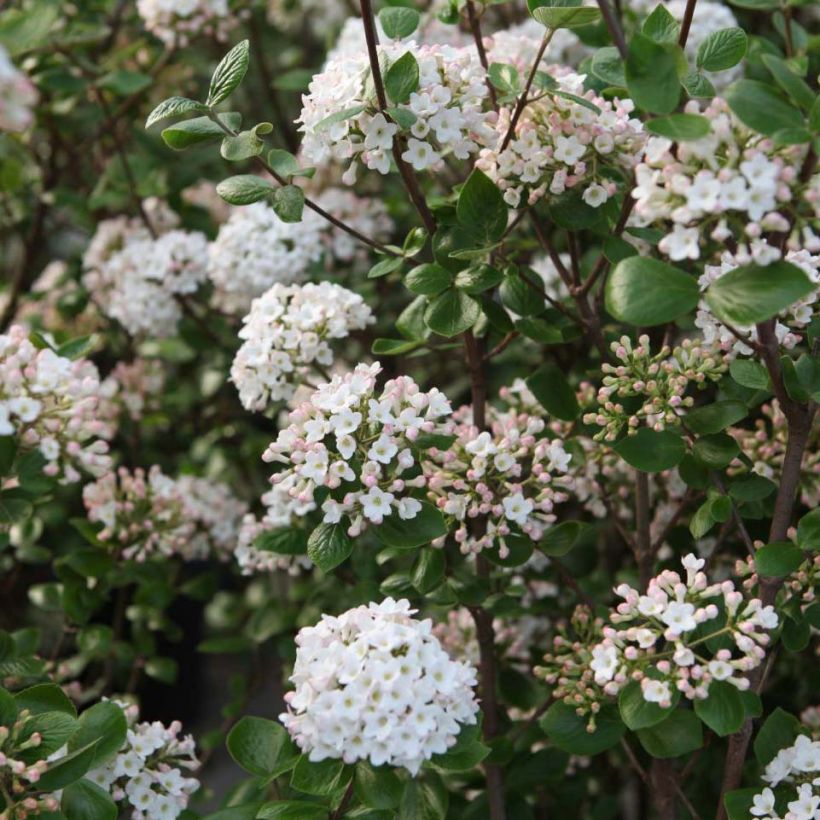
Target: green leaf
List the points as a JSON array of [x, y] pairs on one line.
[[467, 752], [8, 452], [697, 85], [319, 779], [638, 713], [338, 116], [645, 292], [402, 78], [680, 127], [723, 710], [754, 293], [714, 418], [184, 134], [286, 165], [425, 799], [608, 66], [392, 347], [478, 279], [518, 296], [329, 545], [717, 451], [385, 266], [85, 800], [739, 802], [414, 532], [651, 451], [561, 538], [54, 727], [429, 570], [245, 144], [173, 107], [762, 108], [540, 330], [244, 189], [289, 810], [808, 531], [779, 730], [550, 386], [377, 787], [229, 73], [749, 373], [261, 747], [66, 770], [481, 209], [677, 735], [661, 26], [722, 49], [399, 22], [652, 75], [428, 279], [102, 725], [289, 203], [753, 488], [452, 312], [287, 541], [568, 731], [778, 560], [124, 82], [799, 91], [566, 16], [505, 78], [45, 697]]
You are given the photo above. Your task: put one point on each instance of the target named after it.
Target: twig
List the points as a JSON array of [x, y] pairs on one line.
[[614, 27], [475, 28], [346, 798], [686, 23]]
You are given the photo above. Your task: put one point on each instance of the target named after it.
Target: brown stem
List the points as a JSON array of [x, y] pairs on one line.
[[345, 802], [645, 556], [686, 23], [522, 97], [405, 171], [475, 28], [614, 27]]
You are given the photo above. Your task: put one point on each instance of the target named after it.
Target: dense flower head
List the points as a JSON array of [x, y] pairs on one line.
[[789, 323], [798, 766], [17, 96], [518, 46], [176, 21], [567, 138], [54, 405], [137, 278], [139, 386], [147, 515], [662, 380], [661, 631], [358, 443], [148, 774], [509, 473], [446, 110], [375, 684], [733, 179], [255, 249], [287, 332]]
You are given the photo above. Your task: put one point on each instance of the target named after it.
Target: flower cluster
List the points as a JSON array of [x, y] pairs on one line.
[[765, 446], [255, 250], [375, 684], [798, 765], [661, 380], [357, 444], [446, 110], [663, 644], [17, 96], [568, 137], [287, 332], [147, 515], [54, 405], [139, 386], [138, 279], [176, 21], [507, 473], [323, 17], [789, 322], [21, 768], [518, 46], [731, 184], [147, 774]]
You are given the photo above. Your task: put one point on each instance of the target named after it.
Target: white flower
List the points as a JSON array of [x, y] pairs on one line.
[[655, 691], [604, 664], [679, 617], [720, 670], [517, 508], [379, 133], [595, 195], [375, 684], [420, 154], [376, 504], [763, 804], [681, 243]]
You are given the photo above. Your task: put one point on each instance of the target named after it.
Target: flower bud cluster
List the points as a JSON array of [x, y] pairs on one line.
[[507, 474], [57, 406], [566, 138], [734, 179], [443, 115], [375, 684], [176, 21], [789, 322], [799, 766], [146, 515], [660, 380], [139, 386], [148, 776], [665, 643], [138, 279], [358, 444], [287, 332], [18, 96]]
